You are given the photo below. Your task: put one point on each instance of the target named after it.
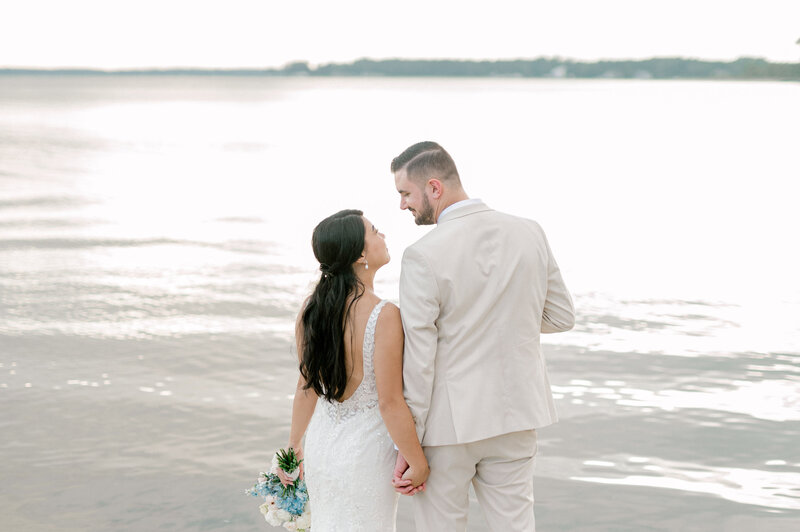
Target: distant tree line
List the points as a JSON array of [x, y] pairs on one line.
[[657, 68]]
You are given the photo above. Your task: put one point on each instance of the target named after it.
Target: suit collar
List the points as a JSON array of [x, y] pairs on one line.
[[463, 211]]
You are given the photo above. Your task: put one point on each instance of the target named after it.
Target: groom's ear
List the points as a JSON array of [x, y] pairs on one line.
[[436, 188]]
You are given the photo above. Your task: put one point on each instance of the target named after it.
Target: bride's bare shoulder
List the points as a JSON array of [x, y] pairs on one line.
[[390, 308], [389, 319]]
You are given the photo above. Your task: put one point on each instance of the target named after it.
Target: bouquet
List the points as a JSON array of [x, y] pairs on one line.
[[284, 505]]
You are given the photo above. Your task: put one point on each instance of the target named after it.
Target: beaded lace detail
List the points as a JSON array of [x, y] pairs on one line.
[[366, 395]]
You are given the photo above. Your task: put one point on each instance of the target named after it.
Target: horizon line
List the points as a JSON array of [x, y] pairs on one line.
[[311, 66]]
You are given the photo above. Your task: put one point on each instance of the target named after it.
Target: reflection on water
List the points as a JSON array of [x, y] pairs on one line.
[[774, 400], [151, 268], [686, 328], [773, 489]]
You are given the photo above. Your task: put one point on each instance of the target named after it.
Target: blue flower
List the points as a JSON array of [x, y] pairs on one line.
[[293, 500]]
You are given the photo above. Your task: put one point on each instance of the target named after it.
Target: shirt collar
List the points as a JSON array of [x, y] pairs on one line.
[[458, 205]]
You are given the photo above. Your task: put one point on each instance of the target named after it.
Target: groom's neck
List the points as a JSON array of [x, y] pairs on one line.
[[448, 199]]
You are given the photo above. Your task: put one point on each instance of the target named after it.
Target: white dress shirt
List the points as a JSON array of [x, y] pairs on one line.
[[458, 205]]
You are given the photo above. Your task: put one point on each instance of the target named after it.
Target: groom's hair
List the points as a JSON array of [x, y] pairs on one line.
[[426, 160]]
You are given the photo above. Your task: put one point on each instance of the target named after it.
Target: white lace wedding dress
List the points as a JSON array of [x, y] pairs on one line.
[[349, 457]]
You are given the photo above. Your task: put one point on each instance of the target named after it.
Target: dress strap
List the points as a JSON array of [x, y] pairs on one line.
[[369, 335]]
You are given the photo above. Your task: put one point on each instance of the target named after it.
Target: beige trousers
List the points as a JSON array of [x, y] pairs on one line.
[[501, 471]]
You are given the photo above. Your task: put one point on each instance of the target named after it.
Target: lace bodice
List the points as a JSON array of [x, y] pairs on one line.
[[366, 395]]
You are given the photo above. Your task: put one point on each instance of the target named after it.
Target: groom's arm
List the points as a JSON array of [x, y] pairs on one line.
[[559, 312], [419, 309]]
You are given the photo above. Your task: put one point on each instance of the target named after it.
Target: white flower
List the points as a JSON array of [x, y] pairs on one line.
[[272, 518], [270, 504], [304, 521], [274, 467], [283, 515], [290, 525]]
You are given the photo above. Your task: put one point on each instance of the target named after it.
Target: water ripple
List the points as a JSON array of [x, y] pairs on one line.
[[773, 489]]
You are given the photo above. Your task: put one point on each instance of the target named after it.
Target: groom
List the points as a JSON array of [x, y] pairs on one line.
[[475, 294]]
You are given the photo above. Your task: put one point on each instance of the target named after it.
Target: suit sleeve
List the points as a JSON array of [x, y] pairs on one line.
[[419, 309], [559, 312]]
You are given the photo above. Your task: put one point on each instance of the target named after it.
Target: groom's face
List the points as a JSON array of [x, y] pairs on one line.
[[414, 199]]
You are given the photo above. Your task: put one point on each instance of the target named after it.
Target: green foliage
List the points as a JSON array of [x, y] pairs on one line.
[[656, 68], [288, 460]]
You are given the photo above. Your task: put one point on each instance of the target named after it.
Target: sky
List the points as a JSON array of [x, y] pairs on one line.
[[119, 34]]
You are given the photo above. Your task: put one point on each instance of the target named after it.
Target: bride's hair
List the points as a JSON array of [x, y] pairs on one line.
[[338, 242]]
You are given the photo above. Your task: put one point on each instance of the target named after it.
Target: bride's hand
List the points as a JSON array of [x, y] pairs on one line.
[[285, 480], [402, 485]]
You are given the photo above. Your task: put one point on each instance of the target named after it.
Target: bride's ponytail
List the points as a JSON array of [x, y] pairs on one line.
[[338, 242]]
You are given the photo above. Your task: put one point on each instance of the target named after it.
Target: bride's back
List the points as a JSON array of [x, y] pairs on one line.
[[354, 329]]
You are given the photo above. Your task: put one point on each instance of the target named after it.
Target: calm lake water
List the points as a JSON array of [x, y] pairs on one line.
[[155, 246]]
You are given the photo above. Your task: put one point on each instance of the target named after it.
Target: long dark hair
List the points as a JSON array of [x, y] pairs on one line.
[[338, 242]]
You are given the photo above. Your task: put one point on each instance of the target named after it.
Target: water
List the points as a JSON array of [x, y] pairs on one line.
[[154, 249]]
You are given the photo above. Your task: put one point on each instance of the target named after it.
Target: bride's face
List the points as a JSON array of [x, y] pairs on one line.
[[375, 250]]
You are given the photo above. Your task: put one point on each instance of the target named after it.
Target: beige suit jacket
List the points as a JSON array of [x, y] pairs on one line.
[[475, 295]]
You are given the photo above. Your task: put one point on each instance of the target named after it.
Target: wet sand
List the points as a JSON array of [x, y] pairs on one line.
[[172, 438]]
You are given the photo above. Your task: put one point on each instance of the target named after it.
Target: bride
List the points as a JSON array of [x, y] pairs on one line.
[[350, 390]]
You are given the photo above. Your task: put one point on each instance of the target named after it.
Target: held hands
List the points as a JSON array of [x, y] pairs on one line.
[[409, 480], [285, 479], [406, 480]]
